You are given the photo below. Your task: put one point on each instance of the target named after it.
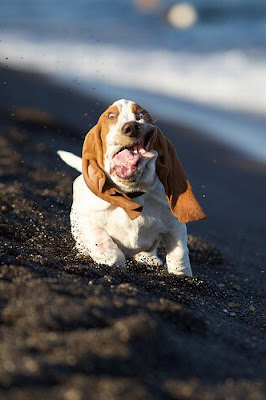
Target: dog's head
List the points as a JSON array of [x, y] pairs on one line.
[[124, 153]]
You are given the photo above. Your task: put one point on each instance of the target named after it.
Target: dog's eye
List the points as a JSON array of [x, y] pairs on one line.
[[112, 115], [140, 115]]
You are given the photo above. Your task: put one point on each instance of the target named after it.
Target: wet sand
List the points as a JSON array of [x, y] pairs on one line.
[[71, 329]]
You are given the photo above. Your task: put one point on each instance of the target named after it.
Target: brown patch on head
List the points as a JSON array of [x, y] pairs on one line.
[[108, 118], [137, 109]]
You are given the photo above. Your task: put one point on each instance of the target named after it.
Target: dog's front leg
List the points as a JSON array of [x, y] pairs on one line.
[[177, 258], [103, 250], [94, 241]]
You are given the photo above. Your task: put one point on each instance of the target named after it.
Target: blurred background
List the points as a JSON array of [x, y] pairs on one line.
[[201, 63]]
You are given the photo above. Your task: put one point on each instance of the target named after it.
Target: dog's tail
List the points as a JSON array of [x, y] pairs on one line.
[[70, 159]]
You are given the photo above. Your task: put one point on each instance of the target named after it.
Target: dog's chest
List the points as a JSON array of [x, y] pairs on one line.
[[139, 234]]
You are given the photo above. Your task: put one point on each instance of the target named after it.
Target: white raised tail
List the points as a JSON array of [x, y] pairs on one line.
[[71, 159]]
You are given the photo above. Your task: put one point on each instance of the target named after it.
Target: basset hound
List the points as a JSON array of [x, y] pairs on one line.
[[132, 193]]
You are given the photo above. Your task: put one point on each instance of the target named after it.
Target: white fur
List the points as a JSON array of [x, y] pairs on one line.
[[106, 233]]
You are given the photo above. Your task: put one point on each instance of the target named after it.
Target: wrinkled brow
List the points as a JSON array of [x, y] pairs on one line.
[[136, 108], [112, 109]]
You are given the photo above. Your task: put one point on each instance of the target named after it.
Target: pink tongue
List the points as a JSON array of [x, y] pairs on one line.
[[124, 163]]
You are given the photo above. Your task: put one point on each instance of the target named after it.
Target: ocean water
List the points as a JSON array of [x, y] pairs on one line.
[[211, 76]]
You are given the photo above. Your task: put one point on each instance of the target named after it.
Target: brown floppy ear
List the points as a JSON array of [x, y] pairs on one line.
[[92, 160], [178, 190]]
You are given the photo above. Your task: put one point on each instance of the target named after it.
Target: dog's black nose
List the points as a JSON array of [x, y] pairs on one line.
[[131, 129]]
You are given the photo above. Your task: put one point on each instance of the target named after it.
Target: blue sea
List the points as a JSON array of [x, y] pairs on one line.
[[210, 75]]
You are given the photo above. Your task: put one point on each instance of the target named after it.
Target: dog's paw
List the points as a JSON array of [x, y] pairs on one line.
[[111, 257], [148, 258], [178, 268]]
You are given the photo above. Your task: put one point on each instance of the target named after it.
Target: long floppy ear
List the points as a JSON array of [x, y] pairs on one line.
[[95, 178], [92, 160], [178, 190]]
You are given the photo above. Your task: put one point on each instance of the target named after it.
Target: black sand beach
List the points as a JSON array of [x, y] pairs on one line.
[[73, 330]]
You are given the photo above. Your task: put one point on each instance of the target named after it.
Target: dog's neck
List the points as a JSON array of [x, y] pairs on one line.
[[132, 195]]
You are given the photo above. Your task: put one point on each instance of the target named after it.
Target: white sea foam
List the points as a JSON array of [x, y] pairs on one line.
[[211, 86]]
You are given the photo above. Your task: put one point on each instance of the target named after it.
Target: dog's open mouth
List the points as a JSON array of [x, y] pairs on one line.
[[127, 160]]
